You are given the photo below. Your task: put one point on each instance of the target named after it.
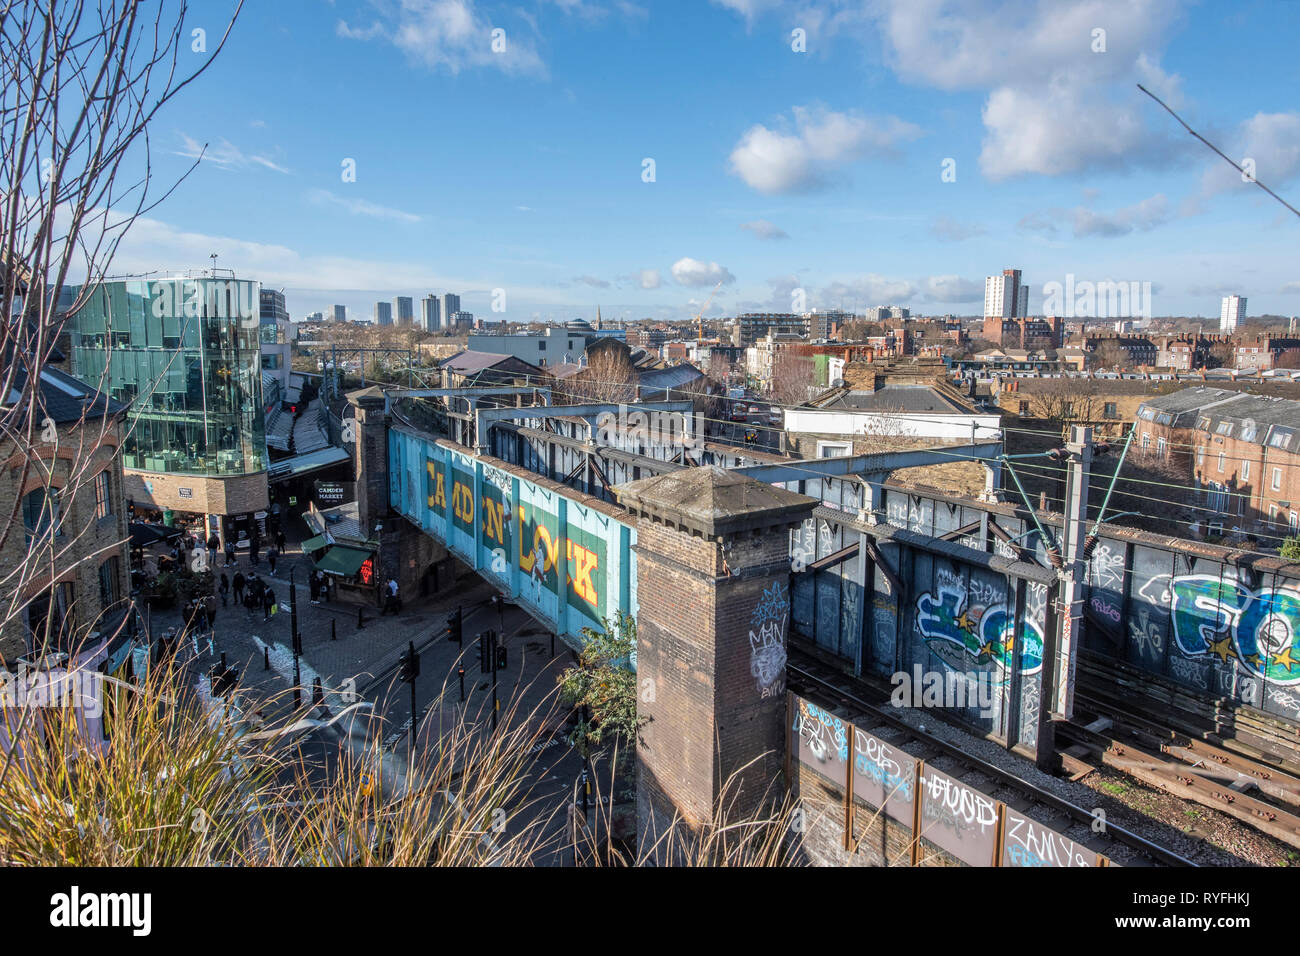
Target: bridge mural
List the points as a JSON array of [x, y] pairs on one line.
[[565, 557], [945, 582]]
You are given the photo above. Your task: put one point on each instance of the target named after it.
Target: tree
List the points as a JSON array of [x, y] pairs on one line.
[[604, 684], [608, 377], [1065, 400], [83, 84], [792, 377]]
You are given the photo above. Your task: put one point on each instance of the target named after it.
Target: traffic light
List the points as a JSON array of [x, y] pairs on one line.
[[454, 625], [501, 657], [409, 666]]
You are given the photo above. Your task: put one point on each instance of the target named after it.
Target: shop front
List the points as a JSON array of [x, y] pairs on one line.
[[353, 573]]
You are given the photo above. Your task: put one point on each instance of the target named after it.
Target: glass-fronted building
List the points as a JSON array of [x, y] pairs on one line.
[[186, 354]]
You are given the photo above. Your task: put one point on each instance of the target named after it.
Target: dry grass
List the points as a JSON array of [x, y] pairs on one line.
[[192, 781]]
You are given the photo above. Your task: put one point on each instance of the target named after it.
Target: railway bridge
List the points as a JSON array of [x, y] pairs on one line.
[[732, 559]]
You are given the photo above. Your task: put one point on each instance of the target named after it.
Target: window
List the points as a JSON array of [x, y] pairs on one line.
[[1221, 461], [1024, 409], [40, 512], [1216, 496], [109, 592], [103, 505], [832, 449], [1067, 410], [1146, 441], [1162, 447], [1277, 478], [1272, 516], [1280, 439], [1111, 410], [1293, 522], [1245, 470]]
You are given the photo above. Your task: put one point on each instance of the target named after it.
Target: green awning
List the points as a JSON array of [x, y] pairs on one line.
[[342, 560], [316, 543]]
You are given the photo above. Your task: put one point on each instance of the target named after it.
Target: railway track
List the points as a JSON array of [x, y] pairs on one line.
[[1258, 793], [830, 689]]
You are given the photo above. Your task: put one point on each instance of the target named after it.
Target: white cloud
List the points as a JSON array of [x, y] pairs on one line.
[[1065, 127], [1272, 140], [953, 288], [693, 272], [868, 290], [450, 35], [649, 279], [773, 161], [359, 207], [1054, 105], [1139, 217], [593, 281], [225, 154], [764, 229]]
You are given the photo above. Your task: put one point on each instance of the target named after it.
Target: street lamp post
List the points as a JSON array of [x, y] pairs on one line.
[[296, 639]]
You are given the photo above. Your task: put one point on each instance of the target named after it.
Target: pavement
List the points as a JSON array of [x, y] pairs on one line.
[[355, 665]]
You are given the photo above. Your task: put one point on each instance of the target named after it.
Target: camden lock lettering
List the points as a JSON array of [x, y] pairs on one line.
[[584, 564]]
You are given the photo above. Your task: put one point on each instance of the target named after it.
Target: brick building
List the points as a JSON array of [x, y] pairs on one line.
[[65, 556], [1241, 452], [1261, 352], [1025, 331]]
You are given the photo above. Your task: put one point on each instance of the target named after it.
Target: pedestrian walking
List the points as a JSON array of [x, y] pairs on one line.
[[224, 588], [391, 602], [271, 554], [279, 539], [214, 545], [268, 603], [314, 582], [200, 617], [238, 585], [211, 603], [230, 553], [254, 545]]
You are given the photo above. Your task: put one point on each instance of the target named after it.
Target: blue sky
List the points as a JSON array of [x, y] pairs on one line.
[[774, 170]]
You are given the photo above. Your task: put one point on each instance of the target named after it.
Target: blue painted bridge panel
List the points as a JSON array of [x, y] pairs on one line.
[[563, 556]]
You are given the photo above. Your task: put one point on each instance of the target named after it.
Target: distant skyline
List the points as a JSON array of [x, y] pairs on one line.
[[913, 149]]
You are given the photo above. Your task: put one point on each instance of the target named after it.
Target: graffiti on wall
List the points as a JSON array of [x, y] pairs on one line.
[[1224, 621], [974, 623], [825, 735], [767, 634]]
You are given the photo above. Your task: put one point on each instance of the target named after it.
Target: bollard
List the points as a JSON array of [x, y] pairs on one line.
[[361, 618], [266, 658], [334, 634]]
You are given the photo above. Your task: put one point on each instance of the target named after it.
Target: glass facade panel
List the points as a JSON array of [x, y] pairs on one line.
[[186, 354]]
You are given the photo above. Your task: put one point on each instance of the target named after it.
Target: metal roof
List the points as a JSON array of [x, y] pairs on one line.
[[907, 399]]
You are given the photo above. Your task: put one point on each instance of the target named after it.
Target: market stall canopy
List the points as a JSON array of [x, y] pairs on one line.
[[342, 560], [143, 535], [316, 543]]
